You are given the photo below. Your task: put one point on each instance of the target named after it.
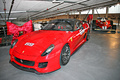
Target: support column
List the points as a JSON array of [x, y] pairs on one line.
[[67, 15], [93, 13], [56, 17], [107, 9], [80, 15], [92, 20], [4, 2]]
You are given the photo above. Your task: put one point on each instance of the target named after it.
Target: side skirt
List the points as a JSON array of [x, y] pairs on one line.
[[83, 41]]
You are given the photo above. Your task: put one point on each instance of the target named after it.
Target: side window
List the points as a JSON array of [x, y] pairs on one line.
[[78, 25]]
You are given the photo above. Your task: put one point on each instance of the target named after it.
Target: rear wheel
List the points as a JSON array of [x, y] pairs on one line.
[[111, 23], [113, 28], [65, 55]]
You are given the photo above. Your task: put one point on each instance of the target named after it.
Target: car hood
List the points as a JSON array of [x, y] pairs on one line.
[[40, 41]]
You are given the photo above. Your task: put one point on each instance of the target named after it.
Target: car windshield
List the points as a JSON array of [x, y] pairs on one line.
[[62, 25]]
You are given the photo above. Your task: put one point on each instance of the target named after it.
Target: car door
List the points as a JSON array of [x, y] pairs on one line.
[[82, 33], [77, 34], [84, 29]]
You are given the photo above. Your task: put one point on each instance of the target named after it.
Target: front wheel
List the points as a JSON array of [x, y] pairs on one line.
[[65, 55]]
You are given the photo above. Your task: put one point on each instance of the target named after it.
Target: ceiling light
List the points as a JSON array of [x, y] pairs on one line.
[[13, 12], [54, 1], [7, 18]]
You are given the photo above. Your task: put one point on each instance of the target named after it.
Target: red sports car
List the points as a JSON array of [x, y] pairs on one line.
[[46, 50], [103, 24]]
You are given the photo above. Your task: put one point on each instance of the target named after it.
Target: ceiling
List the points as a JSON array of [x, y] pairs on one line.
[[22, 10]]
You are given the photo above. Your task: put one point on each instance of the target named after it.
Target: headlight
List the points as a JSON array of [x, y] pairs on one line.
[[48, 50], [12, 45]]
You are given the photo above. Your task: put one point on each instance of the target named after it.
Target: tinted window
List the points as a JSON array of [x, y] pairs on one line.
[[63, 25]]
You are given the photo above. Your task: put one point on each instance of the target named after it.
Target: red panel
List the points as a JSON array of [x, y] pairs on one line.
[[100, 23], [0, 40], [13, 29], [90, 17]]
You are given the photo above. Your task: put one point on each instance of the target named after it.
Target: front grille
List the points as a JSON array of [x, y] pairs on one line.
[[25, 62]]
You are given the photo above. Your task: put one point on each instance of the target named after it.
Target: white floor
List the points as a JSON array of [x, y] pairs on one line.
[[97, 59]]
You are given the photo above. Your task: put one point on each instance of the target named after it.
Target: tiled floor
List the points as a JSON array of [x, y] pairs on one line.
[[97, 59]]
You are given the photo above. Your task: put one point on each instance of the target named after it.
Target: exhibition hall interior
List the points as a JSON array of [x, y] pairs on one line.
[[59, 39]]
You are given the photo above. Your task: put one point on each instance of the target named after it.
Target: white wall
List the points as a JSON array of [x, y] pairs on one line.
[[112, 9], [115, 9]]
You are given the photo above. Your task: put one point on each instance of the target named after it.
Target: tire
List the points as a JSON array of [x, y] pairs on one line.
[[111, 23], [65, 55], [93, 24], [93, 29], [114, 27], [88, 35]]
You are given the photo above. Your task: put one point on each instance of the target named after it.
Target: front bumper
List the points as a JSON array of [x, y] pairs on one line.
[[23, 68], [41, 65]]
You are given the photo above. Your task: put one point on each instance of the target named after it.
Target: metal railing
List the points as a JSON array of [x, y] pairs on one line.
[[6, 39]]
